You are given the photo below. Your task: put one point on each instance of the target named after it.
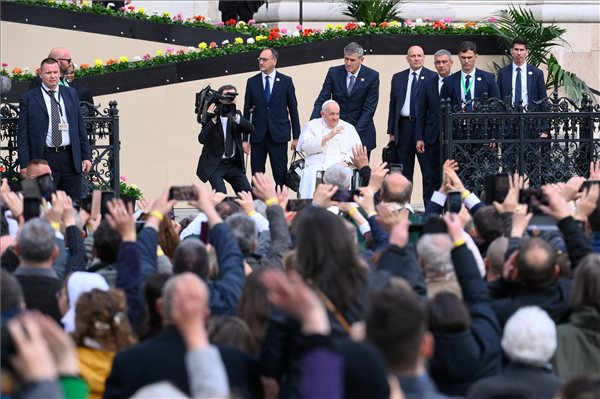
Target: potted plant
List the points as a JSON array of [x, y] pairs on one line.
[[129, 193]]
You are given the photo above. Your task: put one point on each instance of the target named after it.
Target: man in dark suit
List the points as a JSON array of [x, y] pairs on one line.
[[522, 84], [355, 88], [51, 127], [469, 83], [238, 10], [222, 153], [163, 357], [270, 104], [406, 89], [83, 92], [427, 125]]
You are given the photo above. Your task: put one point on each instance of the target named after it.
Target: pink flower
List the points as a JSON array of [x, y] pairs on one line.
[[123, 9], [373, 24], [147, 57], [318, 30], [219, 24], [447, 20], [169, 50], [283, 31], [4, 65], [408, 22], [123, 178], [299, 27], [492, 19], [427, 19], [252, 22], [212, 45]]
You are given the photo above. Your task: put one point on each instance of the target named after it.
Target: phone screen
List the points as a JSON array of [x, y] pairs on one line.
[[501, 187], [204, 232], [183, 193], [454, 201], [295, 205], [31, 208], [344, 195]]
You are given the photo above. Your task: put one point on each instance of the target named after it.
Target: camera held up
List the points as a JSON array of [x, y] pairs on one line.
[[208, 96]]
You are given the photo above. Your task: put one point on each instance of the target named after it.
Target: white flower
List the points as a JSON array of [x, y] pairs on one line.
[[250, 40], [26, 69], [190, 48], [110, 5], [137, 58], [154, 12], [361, 23], [419, 20], [263, 25], [225, 42], [296, 33], [208, 19]]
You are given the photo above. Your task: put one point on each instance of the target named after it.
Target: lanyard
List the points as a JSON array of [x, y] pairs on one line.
[[54, 100], [465, 88]]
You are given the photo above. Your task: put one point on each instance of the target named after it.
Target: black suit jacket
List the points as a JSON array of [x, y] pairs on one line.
[[398, 95], [356, 108], [273, 116], [485, 82], [427, 125], [34, 121], [536, 88], [162, 358], [211, 136], [83, 92]]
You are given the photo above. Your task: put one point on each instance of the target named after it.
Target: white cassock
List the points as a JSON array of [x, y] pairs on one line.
[[319, 157]]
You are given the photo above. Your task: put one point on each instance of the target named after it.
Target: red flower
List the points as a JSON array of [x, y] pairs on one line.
[[308, 32], [383, 24], [439, 25], [230, 22], [212, 45], [351, 26], [130, 8]]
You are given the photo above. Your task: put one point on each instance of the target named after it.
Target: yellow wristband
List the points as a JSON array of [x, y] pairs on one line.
[[459, 242], [352, 211], [55, 226], [465, 194], [157, 215], [271, 201], [373, 213], [251, 213]]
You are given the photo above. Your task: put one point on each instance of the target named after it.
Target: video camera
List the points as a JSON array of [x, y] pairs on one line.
[[208, 96]]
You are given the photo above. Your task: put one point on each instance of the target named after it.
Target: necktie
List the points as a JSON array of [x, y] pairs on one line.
[[468, 93], [413, 93], [229, 140], [351, 84], [55, 115], [518, 89], [267, 89]]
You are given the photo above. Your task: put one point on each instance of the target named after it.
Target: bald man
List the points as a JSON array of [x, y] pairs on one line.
[[406, 89]]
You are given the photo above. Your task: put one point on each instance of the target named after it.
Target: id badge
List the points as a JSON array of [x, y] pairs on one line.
[[63, 127]]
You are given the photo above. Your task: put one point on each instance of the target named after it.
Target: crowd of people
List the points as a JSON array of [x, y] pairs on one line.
[[338, 299]]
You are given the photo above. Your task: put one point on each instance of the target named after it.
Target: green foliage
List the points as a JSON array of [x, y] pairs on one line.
[[372, 11], [519, 22]]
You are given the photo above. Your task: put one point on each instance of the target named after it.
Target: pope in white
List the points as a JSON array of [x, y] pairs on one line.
[[325, 141]]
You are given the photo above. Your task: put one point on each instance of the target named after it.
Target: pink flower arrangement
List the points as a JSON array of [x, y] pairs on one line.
[[283, 31], [212, 45], [178, 17], [492, 19], [219, 24], [372, 24], [147, 57], [4, 65], [299, 27], [409, 22], [447, 20], [252, 22]]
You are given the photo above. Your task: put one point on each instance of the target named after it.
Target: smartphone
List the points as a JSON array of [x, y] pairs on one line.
[[295, 205], [434, 225], [183, 193], [501, 187], [587, 184], [31, 188], [105, 198], [31, 207], [454, 202], [533, 197], [96, 204], [319, 178], [46, 184], [396, 167], [204, 232], [86, 204], [344, 195]]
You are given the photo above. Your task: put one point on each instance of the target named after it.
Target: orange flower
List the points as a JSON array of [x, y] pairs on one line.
[[470, 24], [111, 61], [17, 71], [383, 24], [84, 66], [199, 18]]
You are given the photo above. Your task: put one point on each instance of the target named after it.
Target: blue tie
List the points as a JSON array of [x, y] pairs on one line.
[[518, 88], [413, 93], [267, 89]]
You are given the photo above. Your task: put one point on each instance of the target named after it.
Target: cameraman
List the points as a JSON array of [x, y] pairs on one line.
[[221, 136]]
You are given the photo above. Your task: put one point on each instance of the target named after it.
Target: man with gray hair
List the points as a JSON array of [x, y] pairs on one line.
[[339, 176], [529, 341], [355, 87], [427, 124], [436, 263], [37, 250], [325, 141]]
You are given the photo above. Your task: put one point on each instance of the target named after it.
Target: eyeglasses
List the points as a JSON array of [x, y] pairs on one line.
[[64, 59], [264, 59]]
